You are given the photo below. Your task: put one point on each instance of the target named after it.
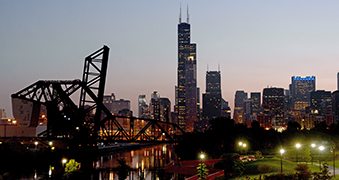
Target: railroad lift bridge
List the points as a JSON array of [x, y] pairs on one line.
[[90, 121]]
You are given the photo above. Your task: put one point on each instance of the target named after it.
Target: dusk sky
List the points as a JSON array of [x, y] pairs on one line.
[[257, 44]]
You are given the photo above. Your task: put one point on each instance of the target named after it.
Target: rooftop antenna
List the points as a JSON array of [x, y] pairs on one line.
[[188, 16], [219, 67], [180, 15]]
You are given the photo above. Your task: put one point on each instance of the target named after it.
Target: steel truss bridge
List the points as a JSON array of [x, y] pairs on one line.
[[90, 119]]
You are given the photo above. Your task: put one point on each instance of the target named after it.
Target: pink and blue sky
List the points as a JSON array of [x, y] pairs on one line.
[[257, 43]]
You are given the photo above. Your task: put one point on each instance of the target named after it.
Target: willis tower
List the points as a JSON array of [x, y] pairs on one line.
[[186, 102]]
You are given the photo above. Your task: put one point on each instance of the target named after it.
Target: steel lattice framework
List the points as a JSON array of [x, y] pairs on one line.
[[66, 119]]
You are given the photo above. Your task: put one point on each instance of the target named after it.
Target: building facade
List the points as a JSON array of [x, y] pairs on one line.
[[141, 104], [212, 97], [301, 89], [187, 78], [256, 103], [238, 112], [273, 105]]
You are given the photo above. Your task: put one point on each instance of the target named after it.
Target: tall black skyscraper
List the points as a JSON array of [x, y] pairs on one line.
[[187, 81], [212, 97], [238, 112], [273, 105]]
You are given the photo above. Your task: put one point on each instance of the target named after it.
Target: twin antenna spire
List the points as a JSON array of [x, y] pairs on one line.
[[188, 16]]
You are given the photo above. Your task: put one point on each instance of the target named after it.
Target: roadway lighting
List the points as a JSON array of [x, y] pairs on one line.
[[297, 146], [244, 145], [321, 148], [50, 143], [36, 144], [202, 156], [281, 152], [240, 143], [63, 161], [313, 146]]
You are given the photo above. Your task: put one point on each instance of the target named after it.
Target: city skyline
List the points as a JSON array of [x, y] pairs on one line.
[[257, 44]]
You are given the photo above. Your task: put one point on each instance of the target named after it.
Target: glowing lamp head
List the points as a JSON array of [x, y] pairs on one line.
[[64, 160], [297, 145], [202, 156], [282, 151]]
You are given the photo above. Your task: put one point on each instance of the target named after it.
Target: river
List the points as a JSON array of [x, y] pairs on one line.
[[142, 161]]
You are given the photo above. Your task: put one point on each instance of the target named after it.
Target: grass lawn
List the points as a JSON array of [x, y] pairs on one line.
[[274, 167]]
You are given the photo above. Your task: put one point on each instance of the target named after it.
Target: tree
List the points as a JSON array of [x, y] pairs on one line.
[[202, 171], [324, 174], [307, 155], [303, 172], [123, 169], [71, 166], [231, 165], [258, 155]]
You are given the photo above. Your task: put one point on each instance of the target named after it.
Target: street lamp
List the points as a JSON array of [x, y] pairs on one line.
[[313, 146], [333, 150], [281, 152], [36, 144], [242, 145], [321, 148], [297, 146], [63, 161], [202, 156]]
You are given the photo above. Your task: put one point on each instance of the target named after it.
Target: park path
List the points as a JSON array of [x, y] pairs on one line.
[[330, 168]]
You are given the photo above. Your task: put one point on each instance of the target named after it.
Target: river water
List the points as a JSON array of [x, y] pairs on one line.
[[142, 161]]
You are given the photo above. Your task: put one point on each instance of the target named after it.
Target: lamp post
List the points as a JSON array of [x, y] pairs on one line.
[[313, 146], [297, 147], [63, 161], [281, 152], [242, 146], [202, 156], [321, 148], [333, 150], [36, 144]]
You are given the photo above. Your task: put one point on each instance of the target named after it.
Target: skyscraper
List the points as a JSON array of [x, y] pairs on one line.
[[273, 105], [155, 106], [141, 104], [338, 81], [212, 97], [321, 102], [187, 81], [256, 103], [300, 92], [165, 110], [240, 96]]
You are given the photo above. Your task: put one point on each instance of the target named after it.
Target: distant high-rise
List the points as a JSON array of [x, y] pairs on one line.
[[107, 101], [187, 81], [155, 106], [273, 105], [321, 102], [300, 92], [212, 97], [238, 112], [256, 103], [141, 104], [335, 102], [338, 81], [118, 105], [165, 110]]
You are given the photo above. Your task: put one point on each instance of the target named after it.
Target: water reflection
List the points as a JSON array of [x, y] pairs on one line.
[[143, 162]]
